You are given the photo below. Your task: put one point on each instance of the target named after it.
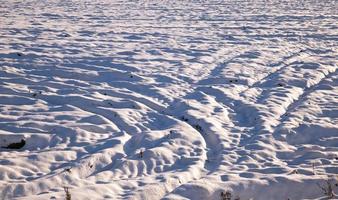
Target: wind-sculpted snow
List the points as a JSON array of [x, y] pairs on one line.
[[168, 99]]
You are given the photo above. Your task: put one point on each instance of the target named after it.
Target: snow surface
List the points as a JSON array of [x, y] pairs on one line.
[[168, 99]]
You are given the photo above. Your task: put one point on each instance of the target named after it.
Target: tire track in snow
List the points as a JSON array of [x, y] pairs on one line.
[[236, 112], [306, 92], [215, 143]]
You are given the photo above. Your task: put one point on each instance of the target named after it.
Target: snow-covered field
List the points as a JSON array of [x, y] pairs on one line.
[[187, 99]]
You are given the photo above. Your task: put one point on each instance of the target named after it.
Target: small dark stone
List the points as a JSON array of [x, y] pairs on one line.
[[184, 119], [34, 95], [18, 145], [141, 154], [198, 128], [19, 54], [68, 170]]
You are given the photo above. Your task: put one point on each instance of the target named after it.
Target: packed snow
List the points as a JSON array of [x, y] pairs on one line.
[[173, 100]]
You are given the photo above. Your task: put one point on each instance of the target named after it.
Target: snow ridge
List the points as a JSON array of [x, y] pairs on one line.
[[168, 99]]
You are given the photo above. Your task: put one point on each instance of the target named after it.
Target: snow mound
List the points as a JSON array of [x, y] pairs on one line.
[[169, 99]]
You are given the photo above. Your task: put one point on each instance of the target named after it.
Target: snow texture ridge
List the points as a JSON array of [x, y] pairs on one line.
[[168, 99]]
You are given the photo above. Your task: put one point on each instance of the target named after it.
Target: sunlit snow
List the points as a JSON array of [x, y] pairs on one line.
[[168, 100]]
